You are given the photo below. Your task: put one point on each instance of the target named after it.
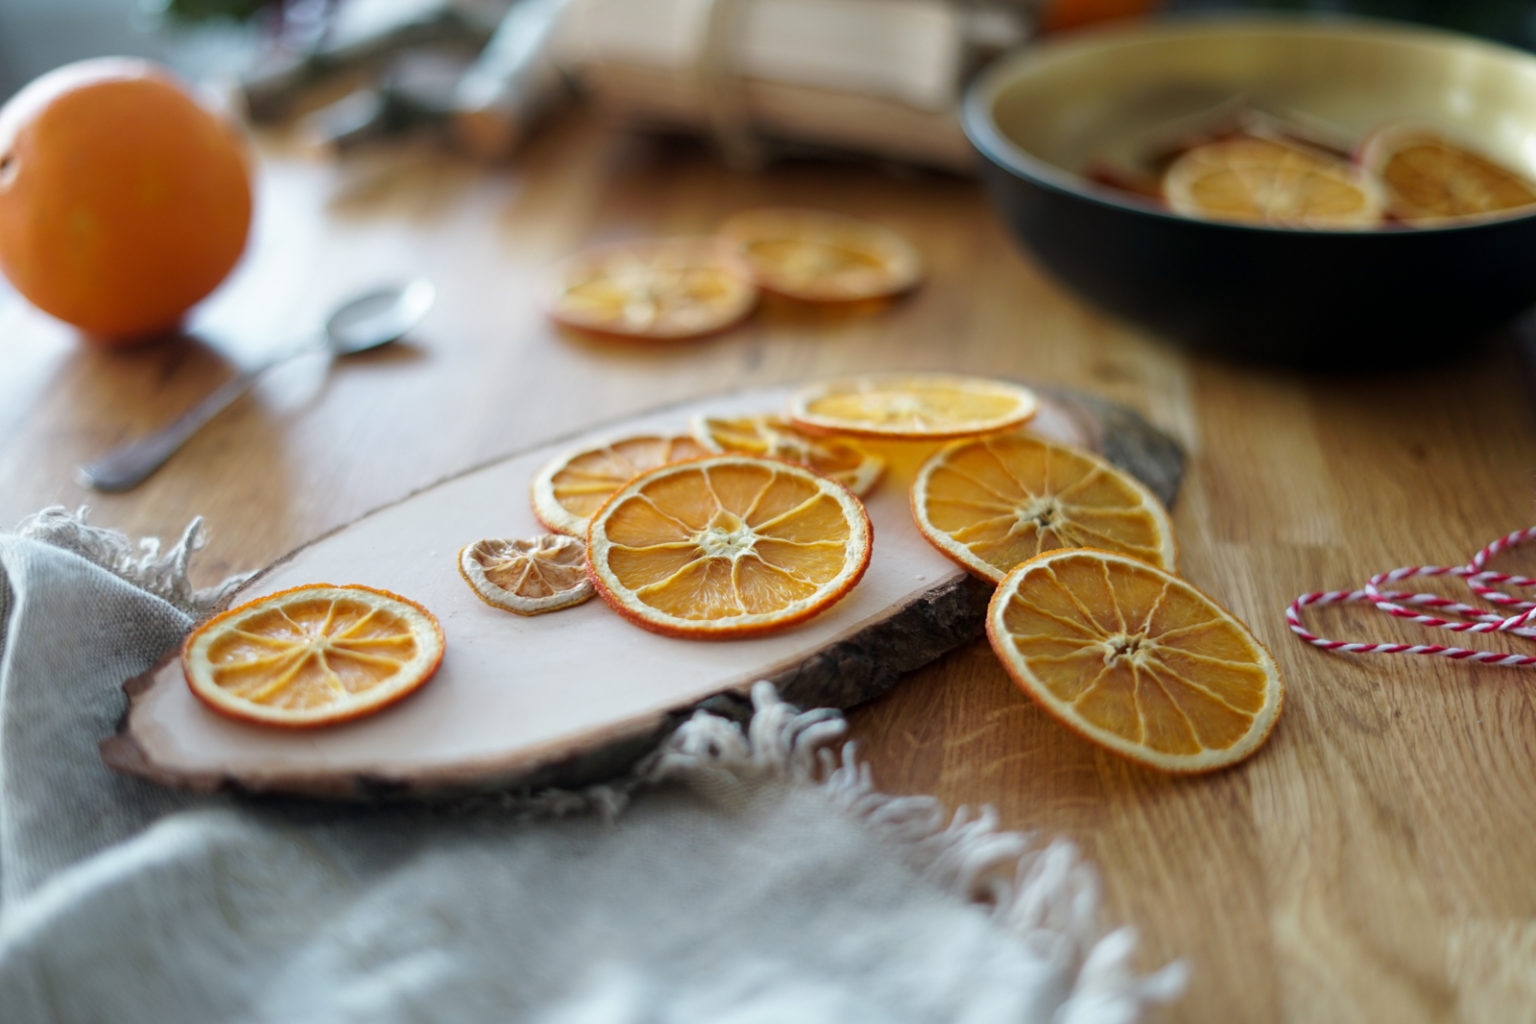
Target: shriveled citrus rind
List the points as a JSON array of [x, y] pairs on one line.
[[574, 485], [528, 576], [776, 438], [912, 406], [726, 546], [1427, 178], [1135, 659], [313, 655], [816, 256], [993, 502], [1251, 180], [660, 289]]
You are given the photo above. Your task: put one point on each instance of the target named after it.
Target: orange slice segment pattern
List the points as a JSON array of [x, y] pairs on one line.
[[1135, 659], [529, 577], [573, 486], [727, 546], [1262, 181], [312, 655], [994, 502], [1428, 178], [912, 406], [776, 438], [660, 289], [823, 257]]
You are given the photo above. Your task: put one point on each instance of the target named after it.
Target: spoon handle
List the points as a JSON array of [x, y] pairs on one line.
[[132, 463]]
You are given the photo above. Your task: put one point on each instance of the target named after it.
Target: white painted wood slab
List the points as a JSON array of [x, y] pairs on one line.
[[568, 696]]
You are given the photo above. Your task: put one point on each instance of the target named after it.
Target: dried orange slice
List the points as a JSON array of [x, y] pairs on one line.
[[777, 438], [823, 257], [912, 406], [662, 289], [573, 486], [1428, 178], [731, 545], [312, 655], [1135, 659], [992, 502], [1267, 182], [539, 574]]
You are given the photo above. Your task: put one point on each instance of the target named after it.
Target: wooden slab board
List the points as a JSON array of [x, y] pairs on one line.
[[574, 696]]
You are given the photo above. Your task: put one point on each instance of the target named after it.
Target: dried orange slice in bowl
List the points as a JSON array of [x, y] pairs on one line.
[[529, 577], [660, 289], [727, 546], [1266, 182], [1135, 660], [1429, 178], [817, 256], [573, 486], [313, 655], [993, 502], [776, 438], [912, 406]]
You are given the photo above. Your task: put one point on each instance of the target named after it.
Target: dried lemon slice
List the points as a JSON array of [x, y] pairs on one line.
[[531, 576], [777, 438], [823, 257], [670, 288], [312, 655], [727, 546], [912, 406], [573, 486]]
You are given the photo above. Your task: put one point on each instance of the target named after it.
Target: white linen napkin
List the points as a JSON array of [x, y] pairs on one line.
[[740, 876]]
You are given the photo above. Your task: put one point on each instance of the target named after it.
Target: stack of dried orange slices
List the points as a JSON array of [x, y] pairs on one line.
[[674, 288], [745, 526]]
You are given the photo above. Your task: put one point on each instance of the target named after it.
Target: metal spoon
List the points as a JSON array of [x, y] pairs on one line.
[[372, 319]]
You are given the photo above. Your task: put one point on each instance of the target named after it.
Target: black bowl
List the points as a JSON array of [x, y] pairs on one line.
[[1315, 297]]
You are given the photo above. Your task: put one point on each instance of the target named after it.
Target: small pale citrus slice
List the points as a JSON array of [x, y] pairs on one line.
[[312, 655], [817, 256], [777, 438], [993, 502], [912, 406], [1267, 182], [1135, 659], [661, 289], [530, 576], [730, 545], [1428, 178], [573, 486]]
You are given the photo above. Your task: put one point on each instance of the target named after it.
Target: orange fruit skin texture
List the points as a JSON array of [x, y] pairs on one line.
[[123, 201]]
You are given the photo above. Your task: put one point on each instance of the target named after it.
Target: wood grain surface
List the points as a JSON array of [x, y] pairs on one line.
[[1373, 862]]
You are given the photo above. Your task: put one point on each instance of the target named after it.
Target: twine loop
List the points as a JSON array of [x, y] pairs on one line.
[[1517, 616]]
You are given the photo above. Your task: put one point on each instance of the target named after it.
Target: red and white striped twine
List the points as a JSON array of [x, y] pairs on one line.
[[1491, 586]]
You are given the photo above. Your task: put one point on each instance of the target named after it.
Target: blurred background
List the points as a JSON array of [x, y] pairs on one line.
[[202, 36]]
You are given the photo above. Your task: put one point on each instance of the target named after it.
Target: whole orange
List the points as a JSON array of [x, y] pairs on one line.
[[123, 200]]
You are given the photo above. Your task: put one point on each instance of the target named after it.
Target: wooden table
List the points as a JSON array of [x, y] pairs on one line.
[[1373, 862]]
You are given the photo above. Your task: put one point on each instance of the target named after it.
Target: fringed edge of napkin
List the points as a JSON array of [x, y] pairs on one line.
[[1046, 896], [142, 564]]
